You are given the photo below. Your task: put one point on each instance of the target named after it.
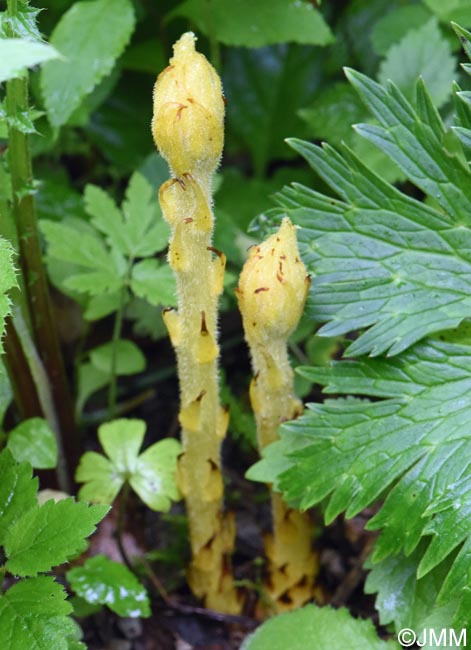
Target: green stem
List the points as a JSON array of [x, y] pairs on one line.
[[44, 328], [123, 502], [118, 324]]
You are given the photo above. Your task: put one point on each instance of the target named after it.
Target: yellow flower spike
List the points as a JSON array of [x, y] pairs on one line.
[[188, 130], [272, 291], [273, 286], [189, 111]]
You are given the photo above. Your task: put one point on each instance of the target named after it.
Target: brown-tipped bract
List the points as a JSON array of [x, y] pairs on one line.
[[189, 111]]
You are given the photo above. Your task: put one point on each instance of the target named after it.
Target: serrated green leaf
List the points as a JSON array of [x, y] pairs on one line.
[[392, 28], [152, 475], [100, 580], [17, 491], [90, 36], [380, 258], [316, 628], [421, 52], [23, 23], [62, 243], [401, 598], [33, 615], [18, 54], [95, 283], [7, 282], [241, 22], [34, 441], [155, 282], [50, 535], [129, 359], [106, 216]]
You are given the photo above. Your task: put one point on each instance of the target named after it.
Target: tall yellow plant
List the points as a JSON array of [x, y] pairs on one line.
[[188, 130], [272, 292]]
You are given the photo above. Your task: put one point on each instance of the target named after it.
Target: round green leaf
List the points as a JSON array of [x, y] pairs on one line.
[[34, 441], [100, 580]]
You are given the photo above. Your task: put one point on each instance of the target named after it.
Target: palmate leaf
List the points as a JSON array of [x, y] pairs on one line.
[[380, 258], [412, 448], [151, 474]]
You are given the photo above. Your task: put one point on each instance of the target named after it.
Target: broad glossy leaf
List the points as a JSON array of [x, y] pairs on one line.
[[242, 22], [316, 628], [50, 535], [90, 36], [33, 615], [100, 580], [34, 441]]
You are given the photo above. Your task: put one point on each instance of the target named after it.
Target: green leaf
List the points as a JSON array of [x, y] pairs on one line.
[[33, 615], [241, 22], [424, 52], [154, 476], [90, 380], [129, 359], [102, 305], [135, 232], [380, 258], [155, 282], [100, 580], [34, 441], [331, 115], [17, 491], [393, 27], [18, 54], [90, 36], [23, 23], [151, 475], [102, 480], [50, 535], [265, 89], [316, 628], [412, 449], [402, 599], [91, 254], [457, 10]]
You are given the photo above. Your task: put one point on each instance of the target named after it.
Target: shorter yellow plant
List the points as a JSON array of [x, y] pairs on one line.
[[272, 291]]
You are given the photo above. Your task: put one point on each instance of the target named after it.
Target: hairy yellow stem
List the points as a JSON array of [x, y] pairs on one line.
[[272, 291], [188, 130]]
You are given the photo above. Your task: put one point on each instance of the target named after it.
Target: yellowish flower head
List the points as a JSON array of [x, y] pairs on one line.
[[188, 121], [273, 287]]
